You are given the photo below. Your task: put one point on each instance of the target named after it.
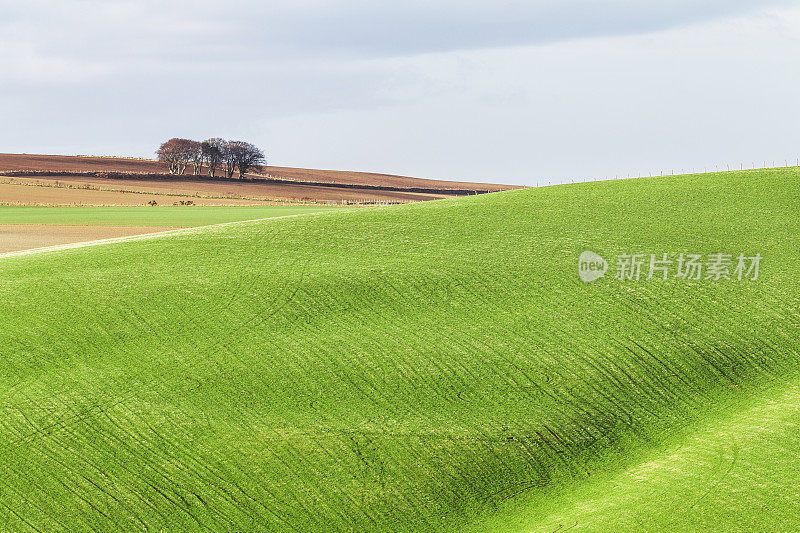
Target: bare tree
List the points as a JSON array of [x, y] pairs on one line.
[[245, 156], [194, 154], [212, 153], [216, 152], [228, 159], [176, 153], [169, 153]]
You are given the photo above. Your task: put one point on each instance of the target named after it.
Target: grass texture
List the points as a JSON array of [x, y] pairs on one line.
[[429, 367]]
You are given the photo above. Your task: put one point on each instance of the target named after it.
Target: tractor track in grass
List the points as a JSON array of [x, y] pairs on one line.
[[423, 367]]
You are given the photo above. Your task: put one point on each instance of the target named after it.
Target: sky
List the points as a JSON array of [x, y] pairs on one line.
[[506, 91]]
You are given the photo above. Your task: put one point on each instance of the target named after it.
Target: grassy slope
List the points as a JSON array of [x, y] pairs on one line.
[[406, 368], [146, 216], [735, 472]]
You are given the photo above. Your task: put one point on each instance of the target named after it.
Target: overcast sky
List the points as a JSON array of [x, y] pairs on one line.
[[493, 90]]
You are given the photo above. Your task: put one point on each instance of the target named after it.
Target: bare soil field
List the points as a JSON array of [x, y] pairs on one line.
[[61, 163], [48, 190], [282, 184], [15, 237], [23, 191]]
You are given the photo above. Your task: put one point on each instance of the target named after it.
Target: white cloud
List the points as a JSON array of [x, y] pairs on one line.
[[511, 91], [709, 94], [21, 62]]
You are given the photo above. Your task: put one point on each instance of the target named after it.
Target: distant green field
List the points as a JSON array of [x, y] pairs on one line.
[[429, 367], [178, 216]]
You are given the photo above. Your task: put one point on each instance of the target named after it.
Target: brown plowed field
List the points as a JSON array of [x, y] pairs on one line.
[[23, 191], [62, 163], [47, 190], [15, 237], [288, 184]]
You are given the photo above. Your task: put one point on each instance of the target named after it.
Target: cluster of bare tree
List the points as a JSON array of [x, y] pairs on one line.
[[214, 153]]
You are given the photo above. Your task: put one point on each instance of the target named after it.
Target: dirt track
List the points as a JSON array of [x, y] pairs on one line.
[[15, 237]]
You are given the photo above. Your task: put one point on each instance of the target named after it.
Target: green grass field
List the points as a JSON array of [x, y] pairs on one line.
[[434, 366], [178, 216]]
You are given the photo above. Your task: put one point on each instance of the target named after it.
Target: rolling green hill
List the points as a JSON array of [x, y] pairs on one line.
[[435, 366]]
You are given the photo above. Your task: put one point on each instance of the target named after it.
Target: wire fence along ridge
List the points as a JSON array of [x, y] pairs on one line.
[[727, 167]]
